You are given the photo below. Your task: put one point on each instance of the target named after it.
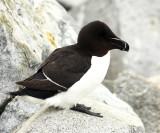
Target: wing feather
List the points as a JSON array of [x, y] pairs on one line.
[[59, 71]]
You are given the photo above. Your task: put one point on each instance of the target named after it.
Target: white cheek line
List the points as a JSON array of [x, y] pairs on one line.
[[124, 43], [53, 81], [115, 38], [125, 46]]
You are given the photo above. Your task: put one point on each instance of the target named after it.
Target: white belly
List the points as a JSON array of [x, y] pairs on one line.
[[84, 86]]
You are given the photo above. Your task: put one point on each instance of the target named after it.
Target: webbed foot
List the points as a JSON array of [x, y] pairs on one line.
[[82, 108]]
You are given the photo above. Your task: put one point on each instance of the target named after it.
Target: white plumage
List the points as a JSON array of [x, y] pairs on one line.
[[93, 77]]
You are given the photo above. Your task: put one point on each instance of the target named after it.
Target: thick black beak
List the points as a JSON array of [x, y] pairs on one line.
[[119, 44]]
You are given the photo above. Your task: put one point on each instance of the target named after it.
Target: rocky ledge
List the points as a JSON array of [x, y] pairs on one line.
[[118, 116], [142, 95]]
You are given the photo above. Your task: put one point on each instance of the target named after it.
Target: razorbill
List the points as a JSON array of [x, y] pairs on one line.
[[72, 72]]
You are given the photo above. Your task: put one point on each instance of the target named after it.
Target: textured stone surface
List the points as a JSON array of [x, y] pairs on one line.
[[142, 95], [118, 117], [16, 112], [89, 11], [29, 32], [137, 22], [140, 27], [69, 4], [155, 80]]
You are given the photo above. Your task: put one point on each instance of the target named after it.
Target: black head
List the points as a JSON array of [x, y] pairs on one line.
[[98, 39]]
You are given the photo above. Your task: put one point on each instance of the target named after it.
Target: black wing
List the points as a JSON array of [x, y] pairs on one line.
[[59, 71]]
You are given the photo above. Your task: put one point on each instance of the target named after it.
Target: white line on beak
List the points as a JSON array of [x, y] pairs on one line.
[[121, 40], [115, 38], [125, 46]]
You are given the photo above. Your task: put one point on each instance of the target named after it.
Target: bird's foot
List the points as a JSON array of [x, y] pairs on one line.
[[82, 108]]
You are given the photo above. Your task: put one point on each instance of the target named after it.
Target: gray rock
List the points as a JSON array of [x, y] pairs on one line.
[[89, 11], [118, 117], [140, 27], [142, 95], [155, 80], [69, 4], [137, 22], [29, 32], [16, 112]]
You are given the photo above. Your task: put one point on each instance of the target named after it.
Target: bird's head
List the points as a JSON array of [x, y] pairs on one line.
[[98, 39]]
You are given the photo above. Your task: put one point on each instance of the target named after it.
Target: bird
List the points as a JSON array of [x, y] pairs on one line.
[[72, 72]]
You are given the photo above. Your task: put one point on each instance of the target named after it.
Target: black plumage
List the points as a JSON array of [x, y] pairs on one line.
[[65, 66]]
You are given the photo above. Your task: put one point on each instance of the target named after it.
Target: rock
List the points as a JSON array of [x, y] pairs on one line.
[[69, 4], [15, 113], [89, 11], [155, 80], [137, 22], [118, 117], [140, 29], [142, 95], [29, 31]]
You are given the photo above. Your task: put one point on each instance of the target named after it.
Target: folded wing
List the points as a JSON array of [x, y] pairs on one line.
[[59, 71]]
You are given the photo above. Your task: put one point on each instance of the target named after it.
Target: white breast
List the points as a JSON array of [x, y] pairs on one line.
[[91, 80]]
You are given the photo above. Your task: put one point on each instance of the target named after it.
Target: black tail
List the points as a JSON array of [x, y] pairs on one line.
[[42, 94], [12, 96], [18, 93], [2, 108]]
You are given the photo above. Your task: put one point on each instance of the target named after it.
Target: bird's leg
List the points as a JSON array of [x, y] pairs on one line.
[[82, 105], [82, 108]]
